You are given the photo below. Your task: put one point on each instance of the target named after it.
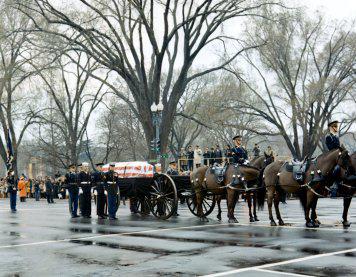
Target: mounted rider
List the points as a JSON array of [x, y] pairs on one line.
[[332, 142], [239, 154]]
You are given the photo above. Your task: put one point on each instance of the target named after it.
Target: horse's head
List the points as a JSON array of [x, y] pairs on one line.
[[345, 162], [269, 160]]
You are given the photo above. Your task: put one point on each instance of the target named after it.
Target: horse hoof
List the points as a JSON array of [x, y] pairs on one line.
[[233, 220], [310, 224], [251, 219], [219, 217], [281, 222], [346, 223], [317, 222], [256, 219], [273, 223], [204, 219]]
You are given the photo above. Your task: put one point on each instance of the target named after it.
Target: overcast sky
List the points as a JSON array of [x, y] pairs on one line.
[[340, 9]]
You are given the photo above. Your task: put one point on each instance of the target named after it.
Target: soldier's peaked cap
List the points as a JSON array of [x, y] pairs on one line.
[[99, 164], [332, 122], [236, 137], [71, 165], [112, 164], [172, 162]]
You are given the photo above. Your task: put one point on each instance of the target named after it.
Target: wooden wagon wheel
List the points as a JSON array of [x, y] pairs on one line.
[[209, 202], [163, 199]]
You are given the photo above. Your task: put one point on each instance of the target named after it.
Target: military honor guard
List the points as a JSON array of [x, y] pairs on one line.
[[98, 180], [113, 191], [332, 142], [71, 183], [84, 179], [332, 139], [239, 154], [12, 189]]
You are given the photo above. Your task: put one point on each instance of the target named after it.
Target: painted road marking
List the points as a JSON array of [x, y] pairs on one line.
[[281, 263], [283, 273]]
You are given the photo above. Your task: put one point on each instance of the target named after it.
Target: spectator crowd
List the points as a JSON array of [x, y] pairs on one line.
[[41, 187], [190, 158]]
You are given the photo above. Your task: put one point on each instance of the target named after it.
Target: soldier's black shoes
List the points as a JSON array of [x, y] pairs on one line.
[[113, 218], [86, 216], [75, 216], [102, 217]]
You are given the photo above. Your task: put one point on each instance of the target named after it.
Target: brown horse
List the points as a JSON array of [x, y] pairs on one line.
[[348, 188], [204, 181], [262, 161], [251, 175], [278, 181]]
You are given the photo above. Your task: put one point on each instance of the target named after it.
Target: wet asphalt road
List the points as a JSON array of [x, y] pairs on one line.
[[41, 240]]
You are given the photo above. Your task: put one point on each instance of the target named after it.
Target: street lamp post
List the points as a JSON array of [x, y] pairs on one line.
[[157, 120]]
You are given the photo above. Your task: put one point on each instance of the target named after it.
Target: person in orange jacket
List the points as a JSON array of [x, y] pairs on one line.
[[22, 188]]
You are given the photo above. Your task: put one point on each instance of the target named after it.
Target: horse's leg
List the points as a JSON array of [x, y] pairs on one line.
[[270, 196], [255, 206], [314, 216], [309, 200], [276, 207], [200, 212], [218, 202], [347, 202], [231, 205], [248, 197]]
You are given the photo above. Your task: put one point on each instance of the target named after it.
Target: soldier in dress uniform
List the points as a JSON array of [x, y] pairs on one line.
[[332, 142], [12, 189], [172, 169], [71, 183], [84, 179], [239, 154], [113, 191], [98, 180]]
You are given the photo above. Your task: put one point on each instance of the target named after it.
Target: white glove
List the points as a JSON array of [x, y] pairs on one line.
[[105, 192], [95, 192], [80, 191]]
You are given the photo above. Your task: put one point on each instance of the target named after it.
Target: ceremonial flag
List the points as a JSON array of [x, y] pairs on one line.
[[10, 152]]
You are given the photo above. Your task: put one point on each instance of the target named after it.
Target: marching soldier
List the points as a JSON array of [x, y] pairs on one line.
[[98, 179], [71, 183], [113, 191], [239, 154], [12, 189], [85, 191]]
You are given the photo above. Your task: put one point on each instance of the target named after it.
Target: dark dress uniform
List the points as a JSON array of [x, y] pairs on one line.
[[12, 190], [113, 191], [218, 156], [71, 183], [98, 180], [239, 155], [49, 192], [332, 142], [85, 197]]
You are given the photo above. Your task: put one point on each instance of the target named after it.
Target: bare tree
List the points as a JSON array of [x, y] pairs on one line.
[[73, 98], [17, 100], [121, 134], [305, 73], [143, 40]]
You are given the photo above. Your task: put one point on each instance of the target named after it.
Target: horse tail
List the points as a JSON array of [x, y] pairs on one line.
[[302, 195], [261, 192]]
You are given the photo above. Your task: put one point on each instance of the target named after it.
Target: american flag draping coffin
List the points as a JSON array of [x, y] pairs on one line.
[[133, 169]]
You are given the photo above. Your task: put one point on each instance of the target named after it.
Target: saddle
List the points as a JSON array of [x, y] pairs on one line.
[[298, 168], [219, 172]]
